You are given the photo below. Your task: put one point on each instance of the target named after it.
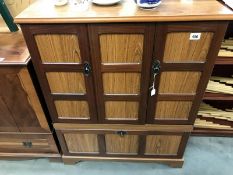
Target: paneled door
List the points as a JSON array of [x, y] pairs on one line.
[[121, 56], [184, 57], [61, 58]]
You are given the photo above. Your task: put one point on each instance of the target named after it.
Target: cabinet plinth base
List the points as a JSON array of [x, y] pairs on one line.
[[175, 163]]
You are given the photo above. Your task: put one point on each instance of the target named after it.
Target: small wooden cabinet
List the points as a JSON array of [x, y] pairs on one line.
[[24, 129], [125, 86]]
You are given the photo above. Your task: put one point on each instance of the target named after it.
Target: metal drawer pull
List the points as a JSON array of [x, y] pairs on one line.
[[121, 133], [27, 144], [86, 68]]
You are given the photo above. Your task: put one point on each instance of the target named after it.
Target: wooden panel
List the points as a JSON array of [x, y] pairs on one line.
[[62, 48], [6, 117], [173, 110], [121, 48], [19, 97], [179, 47], [179, 82], [121, 110], [121, 83], [162, 144], [128, 127], [33, 99], [66, 82], [127, 144], [72, 109], [82, 143]]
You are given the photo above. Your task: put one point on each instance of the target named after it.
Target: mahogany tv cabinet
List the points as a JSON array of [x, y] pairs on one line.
[[123, 83]]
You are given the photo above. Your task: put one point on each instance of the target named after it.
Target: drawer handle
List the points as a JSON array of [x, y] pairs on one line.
[[86, 68], [27, 144], [121, 133]]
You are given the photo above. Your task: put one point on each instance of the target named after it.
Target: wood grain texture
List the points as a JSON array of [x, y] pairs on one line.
[[121, 48], [6, 117], [179, 82], [58, 48], [179, 47], [127, 144], [20, 99], [33, 99], [66, 82], [72, 109], [122, 127], [121, 83], [162, 144], [13, 49], [171, 110], [121, 110], [81, 143], [15, 143], [126, 11]]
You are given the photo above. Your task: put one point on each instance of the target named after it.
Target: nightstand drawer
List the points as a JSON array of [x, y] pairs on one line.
[[27, 143]]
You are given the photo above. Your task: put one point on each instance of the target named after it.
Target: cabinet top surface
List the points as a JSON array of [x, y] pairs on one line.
[[13, 49], [44, 11]]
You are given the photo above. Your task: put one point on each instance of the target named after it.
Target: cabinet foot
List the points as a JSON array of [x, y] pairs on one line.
[[176, 164], [70, 161], [55, 159]]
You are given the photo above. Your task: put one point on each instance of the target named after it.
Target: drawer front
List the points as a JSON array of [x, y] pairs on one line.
[[27, 143], [123, 141]]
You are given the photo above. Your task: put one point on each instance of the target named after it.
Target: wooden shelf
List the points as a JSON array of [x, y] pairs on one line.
[[223, 128], [211, 132], [217, 96], [224, 60]]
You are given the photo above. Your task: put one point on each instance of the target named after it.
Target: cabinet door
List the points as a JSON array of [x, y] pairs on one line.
[[61, 59], [121, 55], [20, 108], [186, 54]]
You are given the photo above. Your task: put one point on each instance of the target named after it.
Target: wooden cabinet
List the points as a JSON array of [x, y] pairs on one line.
[[24, 129], [122, 83], [106, 73]]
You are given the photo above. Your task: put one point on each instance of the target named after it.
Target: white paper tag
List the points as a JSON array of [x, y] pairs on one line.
[[2, 59], [153, 91], [195, 36]]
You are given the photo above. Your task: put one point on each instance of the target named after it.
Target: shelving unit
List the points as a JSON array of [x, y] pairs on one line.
[[207, 125]]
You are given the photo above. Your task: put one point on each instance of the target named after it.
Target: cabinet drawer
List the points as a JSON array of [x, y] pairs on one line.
[[27, 143], [123, 140]]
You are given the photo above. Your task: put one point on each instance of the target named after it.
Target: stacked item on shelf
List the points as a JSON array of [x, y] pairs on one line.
[[220, 85], [226, 49], [207, 115]]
